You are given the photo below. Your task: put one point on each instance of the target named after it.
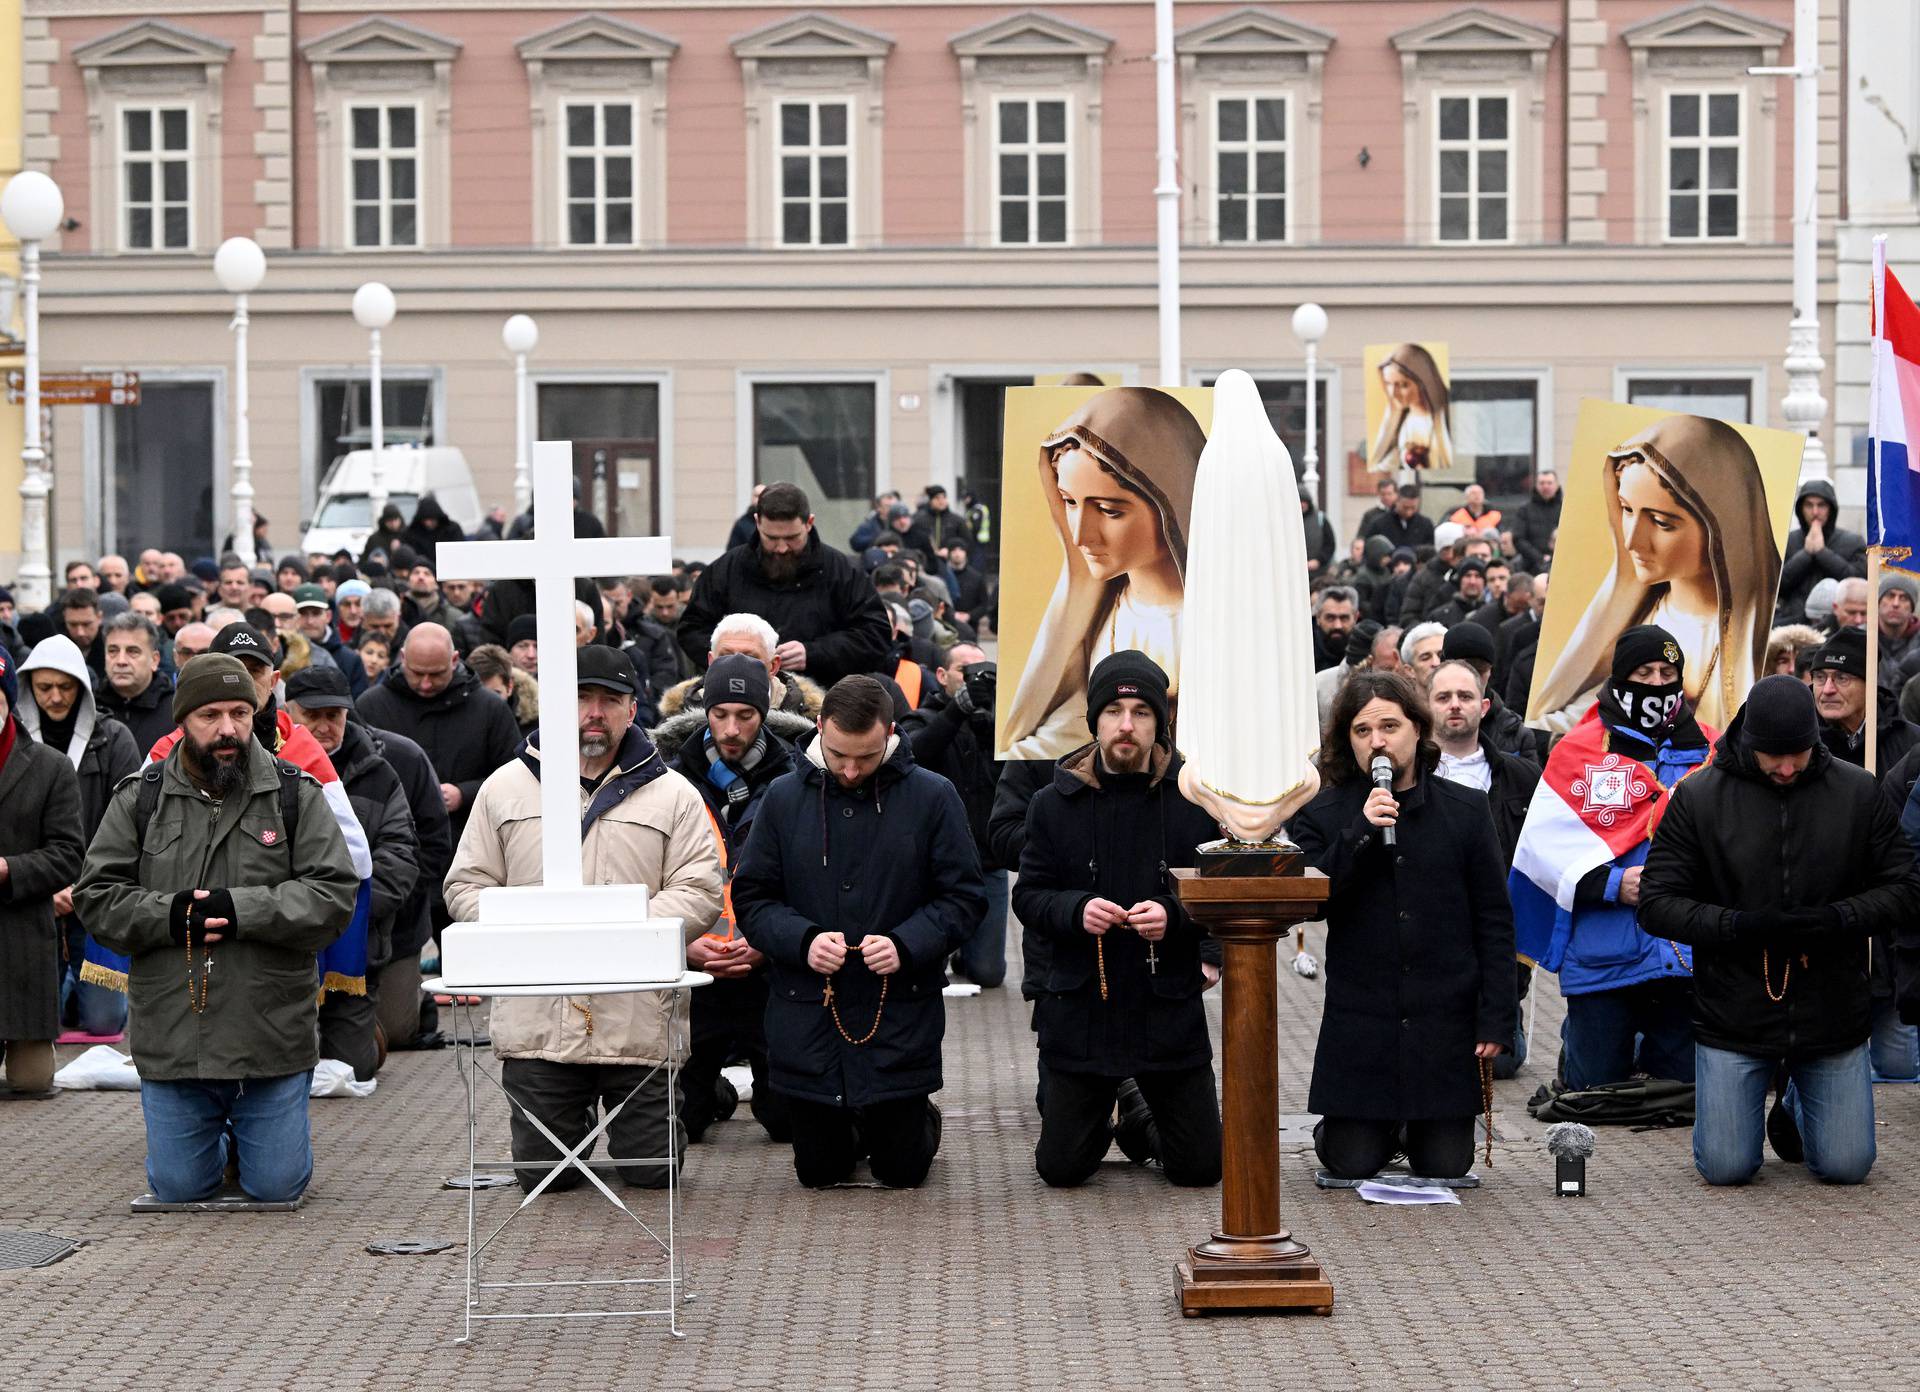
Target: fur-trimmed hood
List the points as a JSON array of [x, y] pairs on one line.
[[800, 697], [674, 731]]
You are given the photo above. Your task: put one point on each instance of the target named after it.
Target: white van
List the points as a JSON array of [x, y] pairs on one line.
[[344, 517]]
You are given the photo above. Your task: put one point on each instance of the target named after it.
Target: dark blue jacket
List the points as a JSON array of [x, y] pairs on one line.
[[893, 858]]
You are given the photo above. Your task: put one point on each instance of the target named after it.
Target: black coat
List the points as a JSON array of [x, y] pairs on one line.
[[1094, 834], [656, 654], [466, 730], [1413, 532], [829, 606], [1419, 952], [1514, 779], [41, 841], [379, 802], [1020, 781], [1427, 593], [1533, 526], [960, 749], [1896, 738], [1733, 840], [432, 830], [148, 716], [1843, 556], [893, 858]]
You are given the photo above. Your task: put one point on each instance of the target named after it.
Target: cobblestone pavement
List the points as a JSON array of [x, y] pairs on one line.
[[983, 1280]]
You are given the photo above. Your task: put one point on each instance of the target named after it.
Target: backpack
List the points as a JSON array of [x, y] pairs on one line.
[[1643, 1102], [147, 802]]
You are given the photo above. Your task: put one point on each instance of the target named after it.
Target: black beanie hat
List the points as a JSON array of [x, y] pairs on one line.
[[1646, 643], [1846, 651], [523, 628], [1779, 717], [738, 680], [1360, 642], [1128, 674], [1467, 642]]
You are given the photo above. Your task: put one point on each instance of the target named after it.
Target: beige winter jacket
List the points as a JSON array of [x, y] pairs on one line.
[[659, 836]]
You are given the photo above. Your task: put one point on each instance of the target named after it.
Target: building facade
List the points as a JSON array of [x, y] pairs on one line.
[[817, 241]]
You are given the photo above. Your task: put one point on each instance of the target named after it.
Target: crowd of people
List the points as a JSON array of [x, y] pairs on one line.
[[305, 773]]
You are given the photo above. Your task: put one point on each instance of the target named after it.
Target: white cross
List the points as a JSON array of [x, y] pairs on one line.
[[553, 560]]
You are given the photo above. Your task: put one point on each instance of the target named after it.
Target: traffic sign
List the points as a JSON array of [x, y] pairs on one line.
[[77, 388]]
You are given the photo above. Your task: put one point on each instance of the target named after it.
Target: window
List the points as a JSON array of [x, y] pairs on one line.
[[1030, 171], [1475, 151], [1703, 165], [1723, 398], [615, 430], [1285, 399], [383, 208], [1250, 167], [600, 160], [814, 173], [156, 157], [161, 461], [1496, 431], [824, 437]]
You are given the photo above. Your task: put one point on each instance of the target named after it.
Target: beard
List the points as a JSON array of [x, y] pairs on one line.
[[594, 744], [779, 565], [1128, 757], [219, 776]]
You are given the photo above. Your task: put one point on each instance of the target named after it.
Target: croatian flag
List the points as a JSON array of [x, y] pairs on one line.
[[1893, 413], [1593, 805]]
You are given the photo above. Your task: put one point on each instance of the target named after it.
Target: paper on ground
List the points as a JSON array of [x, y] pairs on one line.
[[103, 1067], [1374, 1192]]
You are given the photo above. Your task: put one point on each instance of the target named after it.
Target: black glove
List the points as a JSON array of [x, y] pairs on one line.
[[177, 917], [219, 904], [1783, 925]]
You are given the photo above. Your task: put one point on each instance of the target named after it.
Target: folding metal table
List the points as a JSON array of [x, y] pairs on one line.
[[680, 994]]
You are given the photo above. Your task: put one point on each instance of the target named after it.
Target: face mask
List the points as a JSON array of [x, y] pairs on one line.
[[1648, 708]]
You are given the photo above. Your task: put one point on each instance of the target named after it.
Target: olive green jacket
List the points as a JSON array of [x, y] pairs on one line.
[[263, 990]]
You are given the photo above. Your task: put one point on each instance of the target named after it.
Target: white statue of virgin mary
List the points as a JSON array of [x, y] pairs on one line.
[[1249, 720]]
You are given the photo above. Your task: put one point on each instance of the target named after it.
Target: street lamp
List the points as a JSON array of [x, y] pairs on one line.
[[239, 265], [373, 310], [520, 335], [33, 209], [1310, 326]]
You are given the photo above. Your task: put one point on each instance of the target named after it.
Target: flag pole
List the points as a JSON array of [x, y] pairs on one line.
[[1873, 660], [1877, 296]]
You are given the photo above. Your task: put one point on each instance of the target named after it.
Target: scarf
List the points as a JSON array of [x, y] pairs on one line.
[[729, 779]]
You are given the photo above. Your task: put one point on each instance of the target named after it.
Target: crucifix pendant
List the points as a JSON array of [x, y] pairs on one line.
[[1153, 961]]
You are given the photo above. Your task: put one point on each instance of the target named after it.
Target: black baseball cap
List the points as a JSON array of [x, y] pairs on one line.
[[600, 665], [319, 688], [243, 640]]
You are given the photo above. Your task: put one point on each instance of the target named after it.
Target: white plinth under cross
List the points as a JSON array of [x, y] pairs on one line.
[[553, 560]]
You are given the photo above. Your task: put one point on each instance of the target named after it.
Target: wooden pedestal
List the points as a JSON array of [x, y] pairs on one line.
[[1252, 1262]]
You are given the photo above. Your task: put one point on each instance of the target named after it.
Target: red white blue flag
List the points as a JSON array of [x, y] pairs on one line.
[[1893, 414]]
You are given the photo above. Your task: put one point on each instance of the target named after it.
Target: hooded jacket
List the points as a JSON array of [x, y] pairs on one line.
[[425, 541], [829, 606], [1373, 577], [42, 841], [1321, 542], [380, 804], [1533, 525], [432, 829], [101, 750], [891, 857], [1844, 554], [1734, 842], [1105, 1008], [643, 824], [466, 730]]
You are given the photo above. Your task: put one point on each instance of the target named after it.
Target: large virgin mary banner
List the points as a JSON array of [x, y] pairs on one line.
[[1095, 504], [1674, 520]]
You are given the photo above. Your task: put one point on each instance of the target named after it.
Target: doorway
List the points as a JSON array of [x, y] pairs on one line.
[[615, 431], [160, 470]]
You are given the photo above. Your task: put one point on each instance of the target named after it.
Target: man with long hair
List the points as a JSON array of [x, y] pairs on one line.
[[1419, 941]]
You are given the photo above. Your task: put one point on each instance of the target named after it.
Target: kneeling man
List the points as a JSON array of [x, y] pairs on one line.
[[220, 873], [564, 1057]]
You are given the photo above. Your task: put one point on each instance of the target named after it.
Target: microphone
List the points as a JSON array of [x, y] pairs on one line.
[[1382, 771], [1570, 1144]]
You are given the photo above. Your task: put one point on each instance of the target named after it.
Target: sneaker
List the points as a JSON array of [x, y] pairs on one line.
[[1133, 1129]]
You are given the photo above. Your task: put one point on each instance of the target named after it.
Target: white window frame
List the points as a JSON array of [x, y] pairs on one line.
[[383, 153], [744, 382], [1032, 148], [1250, 149], [1544, 406], [1755, 375], [599, 153], [156, 158], [812, 152], [1703, 143], [1474, 145]]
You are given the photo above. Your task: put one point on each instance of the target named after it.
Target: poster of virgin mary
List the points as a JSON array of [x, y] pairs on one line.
[[1096, 506], [1673, 520], [1409, 428]]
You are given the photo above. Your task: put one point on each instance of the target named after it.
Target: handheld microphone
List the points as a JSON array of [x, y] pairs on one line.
[[1570, 1144], [1381, 770]]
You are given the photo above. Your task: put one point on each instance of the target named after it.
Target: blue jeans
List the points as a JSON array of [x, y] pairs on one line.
[[1830, 1098], [1894, 1047], [983, 956], [1646, 1027], [188, 1124], [96, 1010]]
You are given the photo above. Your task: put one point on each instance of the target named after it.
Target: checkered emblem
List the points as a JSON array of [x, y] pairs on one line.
[[269, 837]]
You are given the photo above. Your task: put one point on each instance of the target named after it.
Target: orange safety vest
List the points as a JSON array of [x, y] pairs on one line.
[[726, 878], [909, 675]]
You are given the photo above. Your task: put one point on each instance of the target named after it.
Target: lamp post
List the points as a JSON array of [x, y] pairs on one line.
[[1166, 194], [1803, 406], [239, 265], [373, 310], [520, 335], [1310, 326], [32, 208]]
